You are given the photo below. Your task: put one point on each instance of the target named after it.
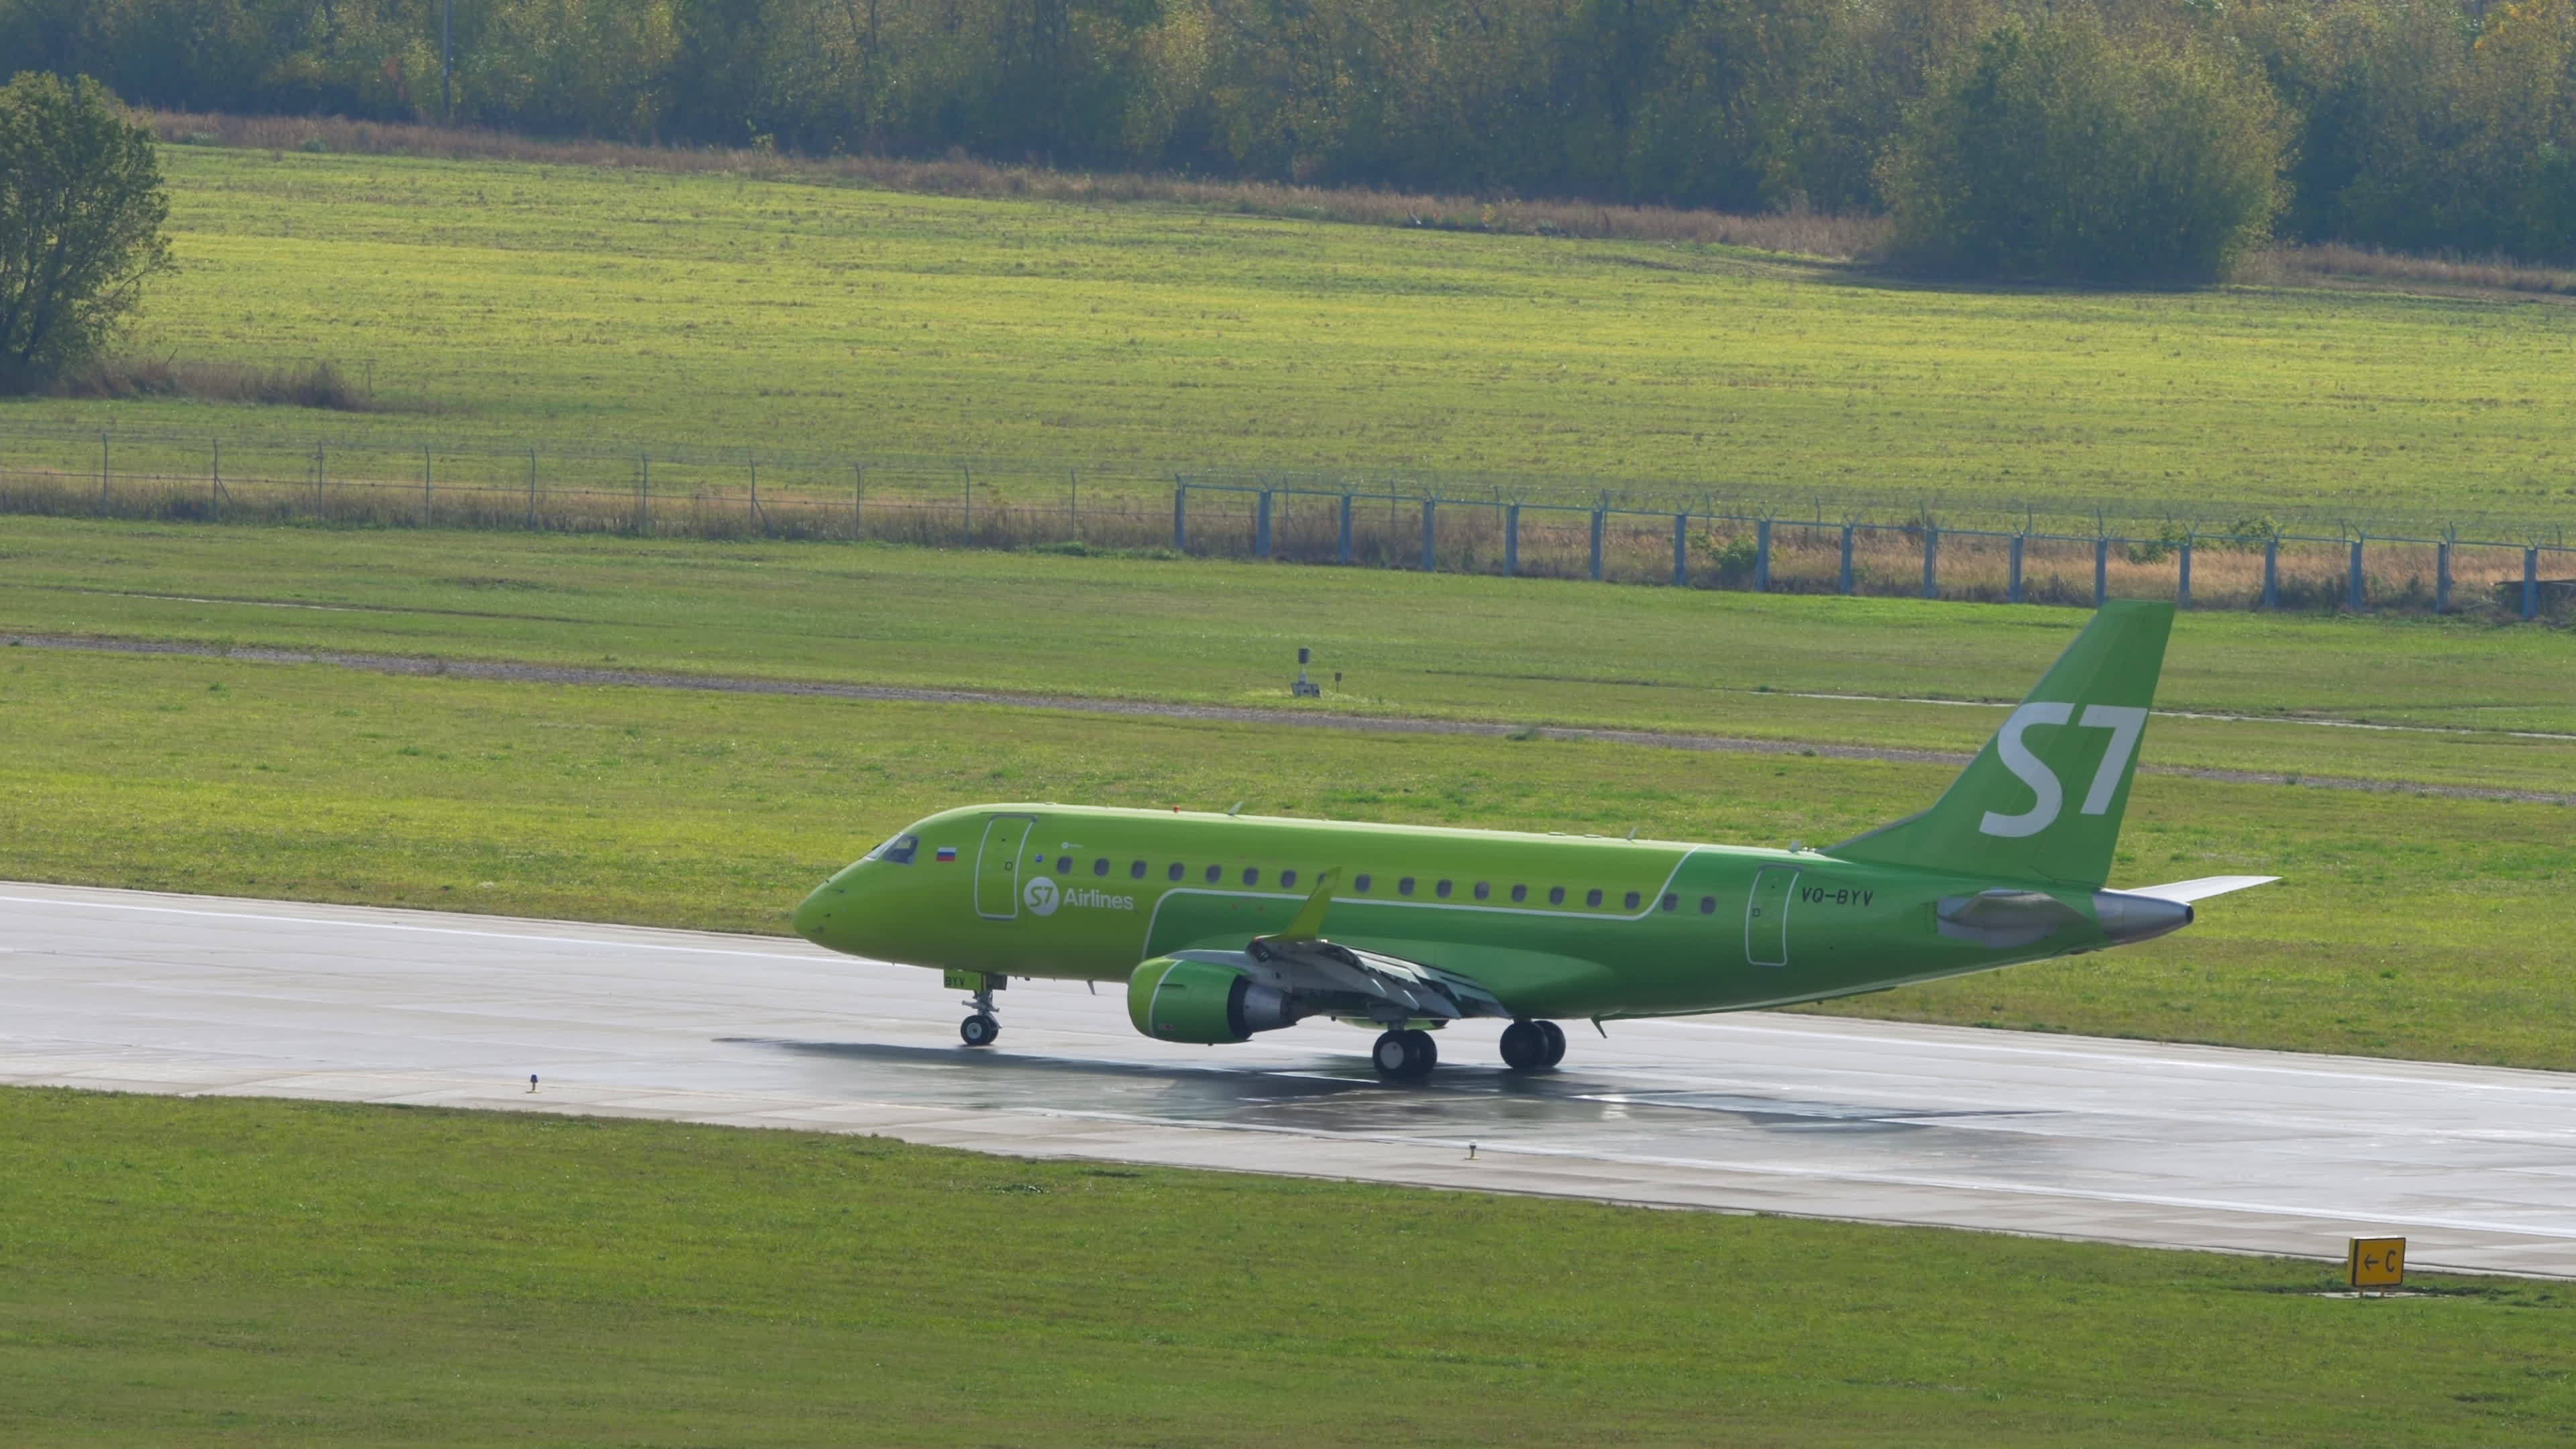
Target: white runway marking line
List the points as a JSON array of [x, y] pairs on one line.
[[814, 957]]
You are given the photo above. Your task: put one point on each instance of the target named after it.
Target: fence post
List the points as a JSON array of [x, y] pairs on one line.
[[644, 501], [858, 501], [1762, 556], [1681, 550], [2531, 583], [1931, 561], [966, 495], [752, 461], [1511, 539], [428, 505], [2272, 572], [1430, 536], [102, 470], [1073, 500], [1180, 515], [1345, 547], [2356, 597], [218, 500], [1261, 528], [1600, 516], [2442, 577], [1844, 582], [2101, 570], [2182, 589], [532, 488], [2012, 590]]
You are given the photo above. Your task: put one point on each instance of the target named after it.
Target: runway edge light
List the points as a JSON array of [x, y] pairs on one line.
[[2375, 1262]]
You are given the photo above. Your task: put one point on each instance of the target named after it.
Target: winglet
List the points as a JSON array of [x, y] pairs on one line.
[[1309, 923]]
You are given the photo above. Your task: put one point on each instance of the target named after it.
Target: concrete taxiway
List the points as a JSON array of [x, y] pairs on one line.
[[2122, 1141]]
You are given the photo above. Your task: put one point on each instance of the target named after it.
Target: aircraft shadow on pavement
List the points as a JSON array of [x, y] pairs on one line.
[[1459, 1096]]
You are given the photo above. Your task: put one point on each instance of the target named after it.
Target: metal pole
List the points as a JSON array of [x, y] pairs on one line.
[[1762, 556], [2531, 583], [2272, 572], [2356, 595], [1681, 550], [1346, 528], [532, 488], [858, 499], [1073, 498], [1931, 561], [2442, 577], [967, 491], [644, 499], [219, 478], [1261, 528], [2182, 588], [1511, 539], [754, 464], [102, 470], [2012, 591], [1180, 515], [426, 501], [1844, 582], [2101, 570], [1599, 517], [1430, 535]]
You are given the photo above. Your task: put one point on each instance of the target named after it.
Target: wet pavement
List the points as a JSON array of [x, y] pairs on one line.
[[2065, 1136]]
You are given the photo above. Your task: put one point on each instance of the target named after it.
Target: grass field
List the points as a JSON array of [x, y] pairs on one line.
[[187, 1272], [1525, 651], [2406, 927], [634, 308]]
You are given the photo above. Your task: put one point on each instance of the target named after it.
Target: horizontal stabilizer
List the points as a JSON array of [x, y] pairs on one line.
[[2184, 892]]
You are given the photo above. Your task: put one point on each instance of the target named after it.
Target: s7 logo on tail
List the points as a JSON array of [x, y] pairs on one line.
[[2125, 722]]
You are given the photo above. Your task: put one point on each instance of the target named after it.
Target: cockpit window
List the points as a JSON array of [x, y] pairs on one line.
[[897, 851]]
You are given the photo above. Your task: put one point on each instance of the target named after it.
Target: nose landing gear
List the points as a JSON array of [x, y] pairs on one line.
[[1530, 1046], [980, 1029]]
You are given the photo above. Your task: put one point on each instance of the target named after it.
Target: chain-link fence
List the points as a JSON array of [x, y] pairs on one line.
[[1574, 529]]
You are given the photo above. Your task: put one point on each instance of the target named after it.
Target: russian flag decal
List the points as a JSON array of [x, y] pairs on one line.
[[947, 853]]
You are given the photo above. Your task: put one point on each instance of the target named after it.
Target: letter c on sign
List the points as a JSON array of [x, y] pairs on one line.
[[2048, 796]]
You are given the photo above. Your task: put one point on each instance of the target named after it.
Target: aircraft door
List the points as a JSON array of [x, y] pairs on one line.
[[998, 866], [1766, 916]]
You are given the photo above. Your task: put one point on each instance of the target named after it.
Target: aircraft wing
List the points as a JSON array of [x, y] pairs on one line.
[[2184, 892]]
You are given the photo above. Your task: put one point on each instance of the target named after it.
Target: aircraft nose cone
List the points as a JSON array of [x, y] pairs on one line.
[[815, 914]]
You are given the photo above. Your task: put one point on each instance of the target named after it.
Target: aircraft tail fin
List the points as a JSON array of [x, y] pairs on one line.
[[2042, 801]]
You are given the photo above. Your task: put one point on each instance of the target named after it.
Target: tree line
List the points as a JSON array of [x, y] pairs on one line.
[[2409, 124]]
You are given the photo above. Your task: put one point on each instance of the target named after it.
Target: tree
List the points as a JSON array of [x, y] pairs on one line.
[[2056, 152], [81, 210]]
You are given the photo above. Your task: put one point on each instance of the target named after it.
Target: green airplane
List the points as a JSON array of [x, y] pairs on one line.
[[1216, 923]]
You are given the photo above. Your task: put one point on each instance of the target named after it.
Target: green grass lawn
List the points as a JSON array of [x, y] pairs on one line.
[[504, 300], [1519, 651], [218, 1272], [2406, 927]]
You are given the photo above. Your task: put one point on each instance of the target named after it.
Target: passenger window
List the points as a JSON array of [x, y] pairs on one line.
[[1404, 886], [1671, 900], [1708, 905], [1441, 890], [1177, 870], [1633, 899], [1100, 866], [1215, 873], [1360, 883], [1483, 890], [1252, 875], [1556, 895], [1592, 897], [1064, 865], [1136, 871], [1287, 880]]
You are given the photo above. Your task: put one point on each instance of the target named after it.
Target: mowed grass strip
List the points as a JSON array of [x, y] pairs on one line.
[[2406, 927], [635, 308], [219, 1271], [1517, 651]]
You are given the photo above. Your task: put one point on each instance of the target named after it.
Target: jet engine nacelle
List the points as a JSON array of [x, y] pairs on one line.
[[1183, 998]]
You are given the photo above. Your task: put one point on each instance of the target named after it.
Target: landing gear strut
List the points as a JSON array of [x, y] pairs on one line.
[[1530, 1046], [1403, 1056], [980, 1029]]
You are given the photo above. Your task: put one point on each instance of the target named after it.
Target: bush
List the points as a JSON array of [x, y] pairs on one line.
[[2055, 153]]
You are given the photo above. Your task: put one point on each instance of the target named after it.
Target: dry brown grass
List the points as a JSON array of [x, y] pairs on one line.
[[309, 385], [1829, 238], [2335, 262]]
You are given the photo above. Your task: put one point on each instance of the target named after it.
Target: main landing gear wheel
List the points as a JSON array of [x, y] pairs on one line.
[[1530, 1046], [978, 1030], [1404, 1055]]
